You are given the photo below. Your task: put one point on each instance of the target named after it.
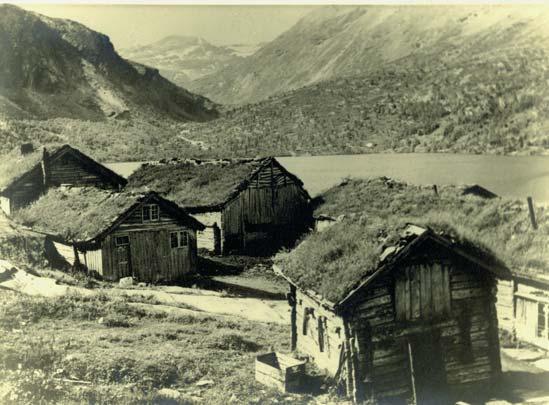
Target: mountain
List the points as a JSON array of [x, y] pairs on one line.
[[334, 42], [183, 59], [59, 68]]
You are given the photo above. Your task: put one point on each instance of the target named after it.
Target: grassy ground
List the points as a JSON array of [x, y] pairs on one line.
[[98, 349]]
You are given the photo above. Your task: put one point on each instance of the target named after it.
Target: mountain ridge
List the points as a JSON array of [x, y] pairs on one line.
[[60, 68]]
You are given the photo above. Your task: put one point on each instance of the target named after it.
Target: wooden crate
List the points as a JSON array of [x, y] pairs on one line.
[[280, 371]]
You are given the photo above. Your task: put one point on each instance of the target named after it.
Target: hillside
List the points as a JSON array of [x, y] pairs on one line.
[[496, 104], [59, 68], [184, 59], [334, 42]]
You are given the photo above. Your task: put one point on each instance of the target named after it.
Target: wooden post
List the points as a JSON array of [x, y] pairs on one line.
[[293, 317], [435, 189], [532, 213], [45, 168], [412, 374]]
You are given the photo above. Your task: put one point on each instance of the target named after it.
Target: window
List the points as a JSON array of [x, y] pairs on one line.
[[150, 213], [122, 240], [321, 325], [308, 312], [179, 239]]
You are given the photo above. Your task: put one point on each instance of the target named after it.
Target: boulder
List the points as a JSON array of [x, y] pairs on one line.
[[126, 282]]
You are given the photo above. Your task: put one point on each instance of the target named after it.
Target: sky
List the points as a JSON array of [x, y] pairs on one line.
[[131, 25]]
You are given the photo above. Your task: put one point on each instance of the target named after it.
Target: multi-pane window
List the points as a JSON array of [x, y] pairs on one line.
[[179, 239], [150, 213], [122, 240]]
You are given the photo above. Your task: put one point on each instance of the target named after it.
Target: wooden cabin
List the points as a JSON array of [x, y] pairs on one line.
[[65, 166], [116, 235], [402, 315], [250, 206], [523, 308]]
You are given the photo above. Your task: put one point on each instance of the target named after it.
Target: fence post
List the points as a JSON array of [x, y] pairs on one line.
[[532, 213]]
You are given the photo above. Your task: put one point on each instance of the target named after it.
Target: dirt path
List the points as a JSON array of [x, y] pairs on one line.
[[254, 309]]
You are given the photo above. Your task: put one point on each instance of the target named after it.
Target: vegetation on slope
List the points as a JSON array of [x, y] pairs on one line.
[[112, 351]]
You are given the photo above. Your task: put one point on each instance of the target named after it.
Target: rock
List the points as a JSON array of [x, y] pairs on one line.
[[101, 320], [126, 282], [203, 383], [168, 393], [142, 285]]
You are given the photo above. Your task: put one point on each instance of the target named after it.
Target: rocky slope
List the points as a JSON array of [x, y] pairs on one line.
[[184, 59], [59, 68], [334, 42]]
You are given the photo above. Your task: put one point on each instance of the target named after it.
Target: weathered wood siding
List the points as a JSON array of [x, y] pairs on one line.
[[151, 257], [310, 317], [505, 305], [67, 169], [93, 260], [466, 326], [271, 212], [206, 239], [532, 315], [28, 189], [66, 251]]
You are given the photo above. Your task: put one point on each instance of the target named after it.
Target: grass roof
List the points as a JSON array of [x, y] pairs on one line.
[[376, 209], [76, 214], [195, 183], [13, 165]]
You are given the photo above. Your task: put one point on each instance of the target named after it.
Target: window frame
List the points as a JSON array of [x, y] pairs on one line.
[[180, 239], [151, 208], [118, 244]]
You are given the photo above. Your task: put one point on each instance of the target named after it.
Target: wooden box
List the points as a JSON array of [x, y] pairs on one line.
[[280, 371]]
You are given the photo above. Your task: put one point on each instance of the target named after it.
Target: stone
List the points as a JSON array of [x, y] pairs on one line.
[[125, 282], [203, 383], [169, 393]]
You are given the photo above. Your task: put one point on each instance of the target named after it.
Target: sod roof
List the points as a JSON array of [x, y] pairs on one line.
[[354, 249], [14, 166], [195, 183], [82, 214], [495, 228]]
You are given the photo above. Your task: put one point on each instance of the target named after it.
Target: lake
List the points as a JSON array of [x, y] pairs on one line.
[[510, 176]]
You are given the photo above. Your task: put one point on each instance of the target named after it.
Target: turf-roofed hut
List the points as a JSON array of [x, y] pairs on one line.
[[504, 224], [117, 234], [32, 173], [394, 311], [251, 206]]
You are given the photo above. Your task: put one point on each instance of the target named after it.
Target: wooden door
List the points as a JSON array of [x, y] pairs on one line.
[[123, 260], [428, 372]]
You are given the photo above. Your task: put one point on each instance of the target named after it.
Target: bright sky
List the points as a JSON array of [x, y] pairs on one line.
[[129, 25]]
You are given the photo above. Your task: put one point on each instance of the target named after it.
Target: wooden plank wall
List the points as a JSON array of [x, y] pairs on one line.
[[5, 205], [205, 239], [28, 191], [152, 258], [271, 199], [308, 343], [69, 170], [93, 260], [505, 309], [532, 315]]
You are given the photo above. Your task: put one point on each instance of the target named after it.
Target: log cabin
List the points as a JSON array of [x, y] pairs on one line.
[[116, 234], [395, 313], [250, 206], [37, 172]]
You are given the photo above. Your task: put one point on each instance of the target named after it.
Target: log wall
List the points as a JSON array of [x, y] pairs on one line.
[[69, 170], [467, 331]]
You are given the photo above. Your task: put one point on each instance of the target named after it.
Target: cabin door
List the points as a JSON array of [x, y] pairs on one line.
[[123, 260], [427, 369]]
